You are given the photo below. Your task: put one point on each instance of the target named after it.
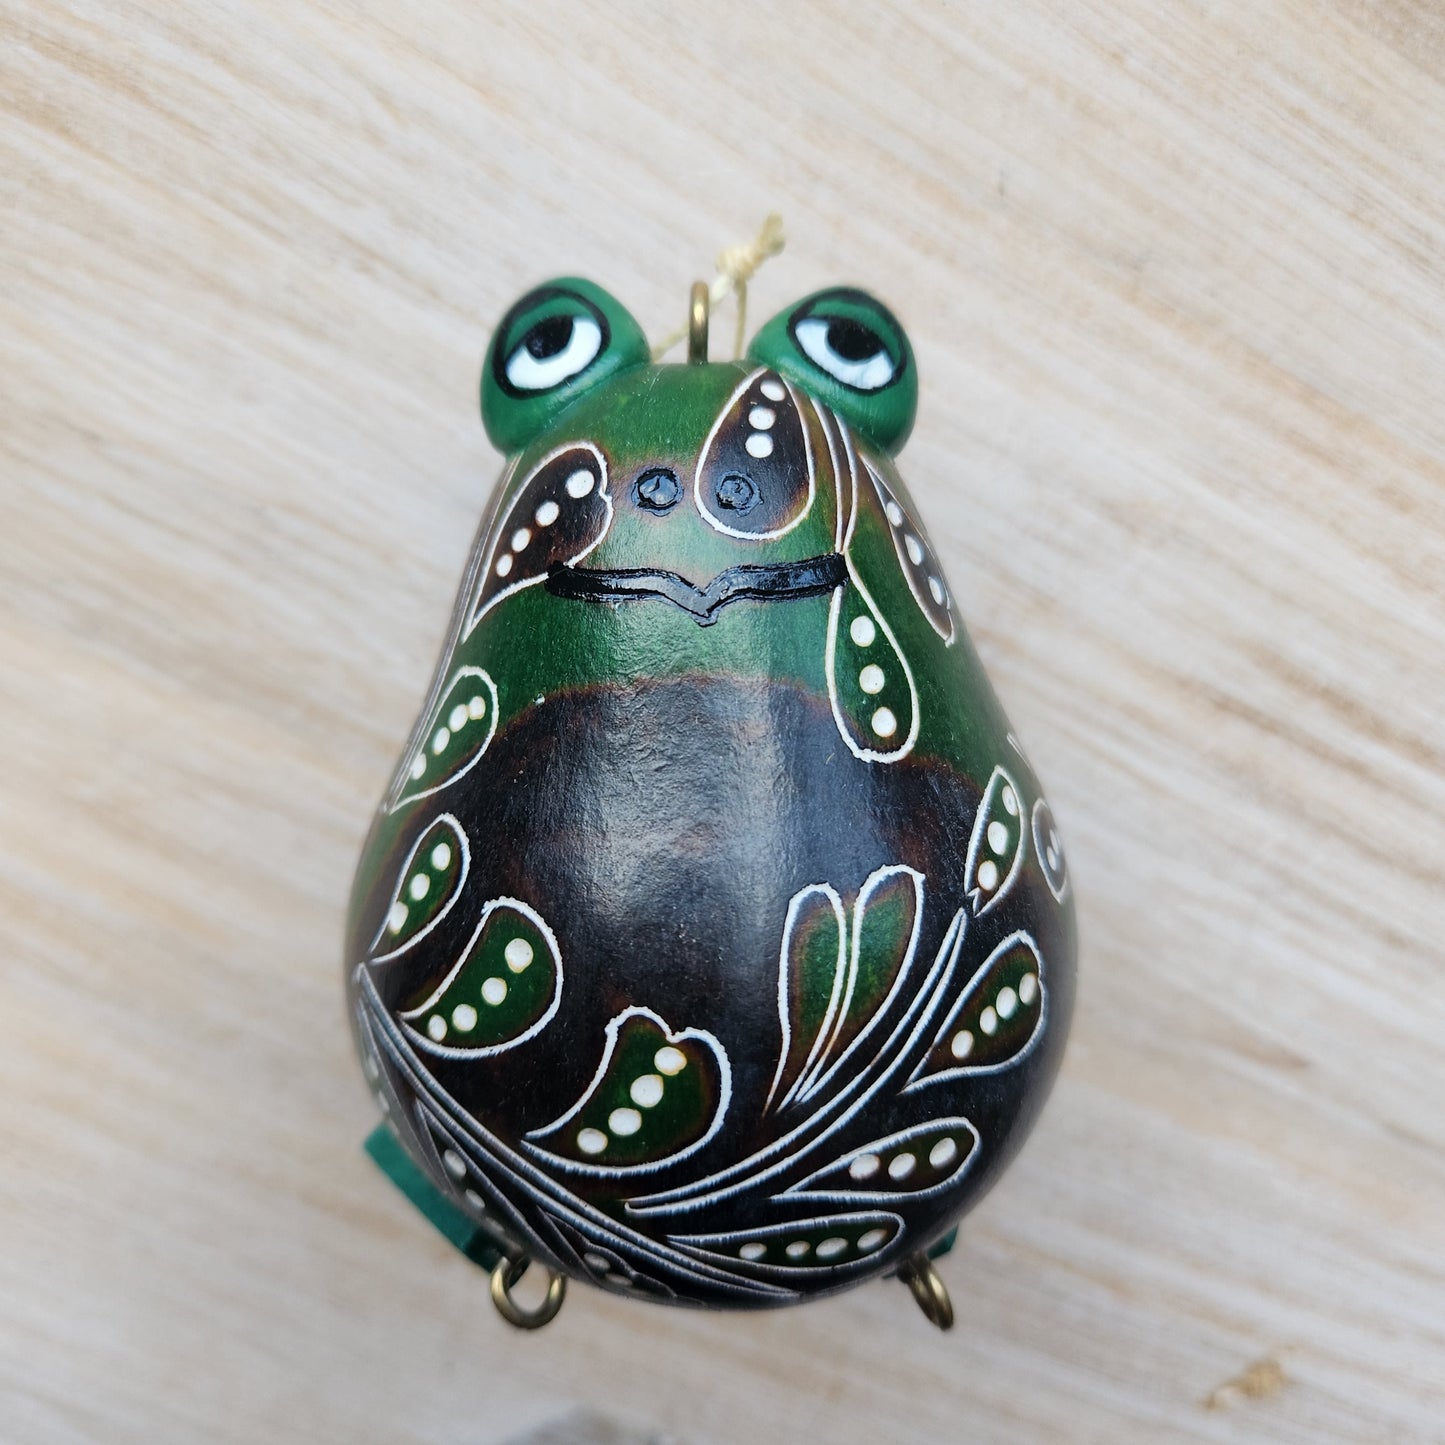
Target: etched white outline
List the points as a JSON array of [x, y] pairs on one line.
[[919, 1080], [830, 664], [871, 885], [1062, 891], [863, 1195], [749, 1172], [844, 504], [825, 890], [626, 1285], [502, 525], [865, 1219], [611, 1034], [885, 495], [741, 390], [1000, 778], [512, 1220], [529, 1178], [466, 855], [867, 755], [457, 630], [449, 1051], [404, 797]]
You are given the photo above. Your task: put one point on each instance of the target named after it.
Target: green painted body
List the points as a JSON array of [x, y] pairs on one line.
[[739, 804]]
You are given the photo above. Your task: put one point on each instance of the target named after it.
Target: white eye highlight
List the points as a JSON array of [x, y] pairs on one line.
[[815, 335], [554, 351]]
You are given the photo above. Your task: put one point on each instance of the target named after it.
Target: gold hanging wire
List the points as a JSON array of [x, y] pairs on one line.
[[736, 266]]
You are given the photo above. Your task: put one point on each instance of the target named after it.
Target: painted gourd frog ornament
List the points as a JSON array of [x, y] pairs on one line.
[[713, 942]]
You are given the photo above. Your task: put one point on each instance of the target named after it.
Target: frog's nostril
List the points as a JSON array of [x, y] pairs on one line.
[[737, 493], [658, 490]]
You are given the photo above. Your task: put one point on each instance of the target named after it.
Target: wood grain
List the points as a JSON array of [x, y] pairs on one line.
[[1173, 273]]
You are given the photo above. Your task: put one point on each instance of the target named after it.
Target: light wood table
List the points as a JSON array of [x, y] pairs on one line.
[[1174, 274]]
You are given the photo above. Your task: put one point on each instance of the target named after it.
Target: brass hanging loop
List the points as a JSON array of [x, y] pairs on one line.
[[918, 1273], [697, 322], [504, 1279]]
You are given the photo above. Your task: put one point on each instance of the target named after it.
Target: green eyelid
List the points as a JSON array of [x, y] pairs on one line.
[[848, 350], [591, 337]]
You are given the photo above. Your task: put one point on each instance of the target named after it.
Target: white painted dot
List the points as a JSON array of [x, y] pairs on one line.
[[1010, 802], [895, 513], [962, 1044], [884, 723], [457, 717], [520, 538], [518, 954], [914, 548], [591, 1141], [647, 1090], [1007, 1003], [862, 631], [762, 417], [1028, 989], [475, 1200], [871, 679], [504, 564], [440, 741], [988, 875], [441, 856], [456, 1165], [669, 1060], [753, 1249], [935, 590], [865, 1166], [547, 513], [597, 1263], [464, 1018], [436, 1026], [900, 1166], [624, 1121], [997, 836], [396, 918], [943, 1154], [759, 444], [373, 1069], [797, 1249], [988, 1022], [870, 1239], [383, 1103], [418, 765], [773, 389], [832, 1247], [494, 990], [418, 886], [580, 483], [476, 706]]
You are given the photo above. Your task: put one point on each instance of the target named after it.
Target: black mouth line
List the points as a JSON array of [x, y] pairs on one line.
[[765, 582]]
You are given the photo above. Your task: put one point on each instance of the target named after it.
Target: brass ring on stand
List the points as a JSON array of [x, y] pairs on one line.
[[697, 322], [505, 1277], [918, 1273]]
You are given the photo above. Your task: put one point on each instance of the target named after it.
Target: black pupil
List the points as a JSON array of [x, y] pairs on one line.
[[549, 337], [852, 340]]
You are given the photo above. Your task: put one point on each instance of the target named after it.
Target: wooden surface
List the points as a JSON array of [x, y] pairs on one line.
[[1174, 275]]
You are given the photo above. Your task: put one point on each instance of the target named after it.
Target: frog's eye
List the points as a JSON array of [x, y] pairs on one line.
[[556, 343], [553, 350], [848, 350]]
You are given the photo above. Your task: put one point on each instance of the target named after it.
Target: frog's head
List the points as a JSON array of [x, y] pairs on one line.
[[698, 483]]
